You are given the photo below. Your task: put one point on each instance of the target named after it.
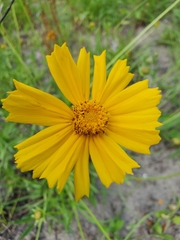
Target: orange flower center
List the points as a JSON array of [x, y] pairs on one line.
[[89, 118]]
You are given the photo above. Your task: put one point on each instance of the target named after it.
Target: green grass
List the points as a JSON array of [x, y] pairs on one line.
[[97, 25]]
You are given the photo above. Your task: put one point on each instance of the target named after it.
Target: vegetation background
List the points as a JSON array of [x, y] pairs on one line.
[[147, 33]]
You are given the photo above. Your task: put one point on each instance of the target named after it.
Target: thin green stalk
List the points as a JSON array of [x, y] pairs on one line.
[[95, 219], [75, 211], [129, 14], [27, 15], [39, 230], [17, 28], [175, 117], [138, 38], [31, 25], [155, 178], [45, 200], [78, 222], [9, 43], [137, 225]]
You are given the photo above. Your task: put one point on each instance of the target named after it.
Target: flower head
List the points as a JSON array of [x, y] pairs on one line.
[[98, 127]]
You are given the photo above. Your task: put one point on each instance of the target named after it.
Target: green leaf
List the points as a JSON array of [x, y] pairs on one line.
[[176, 220], [158, 228], [168, 237]]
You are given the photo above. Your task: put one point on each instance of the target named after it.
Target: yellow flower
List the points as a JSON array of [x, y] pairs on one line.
[[99, 127]]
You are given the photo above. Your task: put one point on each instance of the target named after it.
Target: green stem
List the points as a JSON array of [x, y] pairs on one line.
[[75, 211], [155, 178], [39, 230], [17, 28], [31, 25], [45, 202], [129, 14], [9, 43], [137, 39], [172, 118], [95, 219], [78, 222], [26, 15], [137, 225]]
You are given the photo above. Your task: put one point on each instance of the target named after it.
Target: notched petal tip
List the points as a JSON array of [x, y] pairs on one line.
[[15, 82], [83, 49], [77, 198], [8, 119], [103, 54], [56, 46], [56, 49]]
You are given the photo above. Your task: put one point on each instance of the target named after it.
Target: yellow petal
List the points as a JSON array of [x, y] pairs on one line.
[[136, 140], [72, 161], [62, 161], [30, 105], [83, 65], [133, 117], [137, 97], [81, 172], [98, 163], [136, 120], [110, 161], [118, 79], [116, 174], [65, 73], [115, 153], [35, 150], [99, 78]]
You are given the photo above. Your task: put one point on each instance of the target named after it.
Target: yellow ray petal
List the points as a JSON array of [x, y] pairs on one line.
[[41, 146], [115, 172], [42, 142], [118, 79], [65, 73], [81, 172], [115, 154], [30, 105], [99, 78], [127, 93], [60, 154], [45, 133], [63, 160], [50, 155], [98, 163], [83, 65], [137, 97], [136, 140], [71, 163], [136, 121]]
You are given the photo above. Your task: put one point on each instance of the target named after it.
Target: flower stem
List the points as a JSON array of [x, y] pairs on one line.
[[10, 44], [75, 211], [78, 222], [155, 178], [39, 229], [137, 225], [95, 219], [174, 118]]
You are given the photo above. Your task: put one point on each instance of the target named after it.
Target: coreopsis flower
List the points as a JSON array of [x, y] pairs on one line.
[[97, 126]]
